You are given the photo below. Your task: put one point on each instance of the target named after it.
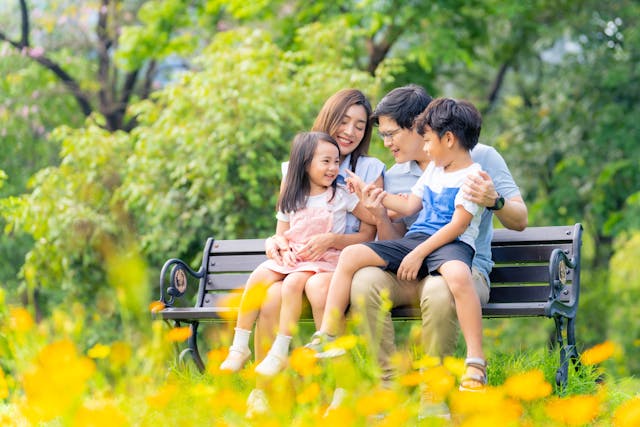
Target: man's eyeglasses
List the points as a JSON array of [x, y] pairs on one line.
[[389, 135]]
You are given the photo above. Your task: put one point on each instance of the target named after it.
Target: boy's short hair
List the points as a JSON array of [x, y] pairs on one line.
[[459, 117], [402, 104]]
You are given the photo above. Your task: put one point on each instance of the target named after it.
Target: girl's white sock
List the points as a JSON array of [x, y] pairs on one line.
[[241, 339], [280, 346]]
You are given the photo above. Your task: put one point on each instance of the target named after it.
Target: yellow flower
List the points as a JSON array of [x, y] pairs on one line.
[[156, 306], [20, 320], [254, 297], [485, 411], [179, 334], [439, 382], [341, 416], [162, 396], [574, 410], [99, 351], [214, 359], [490, 400], [120, 353], [455, 365], [346, 342], [397, 417], [598, 353], [411, 379], [309, 394], [55, 383], [628, 414], [99, 414], [426, 362], [4, 387], [377, 402], [303, 361], [528, 386], [231, 300]]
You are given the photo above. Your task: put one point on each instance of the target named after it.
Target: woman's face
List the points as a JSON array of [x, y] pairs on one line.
[[351, 129]]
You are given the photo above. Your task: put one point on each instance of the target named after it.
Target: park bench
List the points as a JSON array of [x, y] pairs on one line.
[[536, 273]]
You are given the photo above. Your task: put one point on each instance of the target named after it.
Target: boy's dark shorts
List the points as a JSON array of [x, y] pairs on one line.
[[394, 251]]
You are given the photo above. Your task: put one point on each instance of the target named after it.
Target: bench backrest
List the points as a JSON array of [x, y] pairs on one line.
[[520, 280]]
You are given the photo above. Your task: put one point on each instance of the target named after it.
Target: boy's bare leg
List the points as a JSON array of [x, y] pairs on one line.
[[468, 309]]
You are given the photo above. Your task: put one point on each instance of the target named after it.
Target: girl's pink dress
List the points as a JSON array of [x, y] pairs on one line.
[[303, 225]]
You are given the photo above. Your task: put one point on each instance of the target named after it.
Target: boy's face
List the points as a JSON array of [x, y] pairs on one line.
[[404, 144], [436, 147]]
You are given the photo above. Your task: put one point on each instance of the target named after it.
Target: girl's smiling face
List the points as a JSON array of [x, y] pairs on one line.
[[324, 167]]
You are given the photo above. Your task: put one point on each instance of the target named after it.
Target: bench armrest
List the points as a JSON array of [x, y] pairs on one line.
[[177, 279], [559, 263]]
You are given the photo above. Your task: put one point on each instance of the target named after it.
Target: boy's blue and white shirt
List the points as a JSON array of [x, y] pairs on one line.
[[440, 194]]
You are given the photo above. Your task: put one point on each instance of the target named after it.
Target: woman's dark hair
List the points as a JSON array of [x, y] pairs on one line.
[[296, 184], [334, 110]]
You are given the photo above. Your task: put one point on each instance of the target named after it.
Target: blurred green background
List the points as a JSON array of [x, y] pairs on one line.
[[143, 127]]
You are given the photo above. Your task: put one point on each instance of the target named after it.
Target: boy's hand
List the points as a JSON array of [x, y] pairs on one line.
[[410, 266]]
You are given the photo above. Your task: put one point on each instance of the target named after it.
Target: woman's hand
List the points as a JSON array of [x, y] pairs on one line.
[[316, 247], [275, 247]]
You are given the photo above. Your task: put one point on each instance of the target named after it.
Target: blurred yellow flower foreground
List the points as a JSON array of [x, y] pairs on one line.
[[50, 376]]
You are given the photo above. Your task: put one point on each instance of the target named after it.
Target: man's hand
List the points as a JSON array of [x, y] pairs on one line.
[[479, 188], [410, 266]]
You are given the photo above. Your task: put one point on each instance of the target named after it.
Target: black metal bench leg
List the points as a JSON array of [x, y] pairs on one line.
[[192, 344], [568, 351]]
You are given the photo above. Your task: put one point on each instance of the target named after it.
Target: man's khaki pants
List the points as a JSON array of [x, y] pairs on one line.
[[373, 293]]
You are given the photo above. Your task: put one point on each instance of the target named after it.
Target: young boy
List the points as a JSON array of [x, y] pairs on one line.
[[441, 239]]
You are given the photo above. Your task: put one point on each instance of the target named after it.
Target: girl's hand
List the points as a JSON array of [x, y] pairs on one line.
[[355, 184], [316, 247], [410, 266]]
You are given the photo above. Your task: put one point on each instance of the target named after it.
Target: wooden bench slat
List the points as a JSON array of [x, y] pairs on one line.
[[237, 246], [240, 262], [521, 253], [226, 281], [534, 235]]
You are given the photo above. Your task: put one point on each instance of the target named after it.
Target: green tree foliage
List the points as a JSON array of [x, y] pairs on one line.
[[203, 161], [565, 128]]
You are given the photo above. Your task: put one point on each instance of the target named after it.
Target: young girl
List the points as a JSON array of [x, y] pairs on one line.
[[310, 203]]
